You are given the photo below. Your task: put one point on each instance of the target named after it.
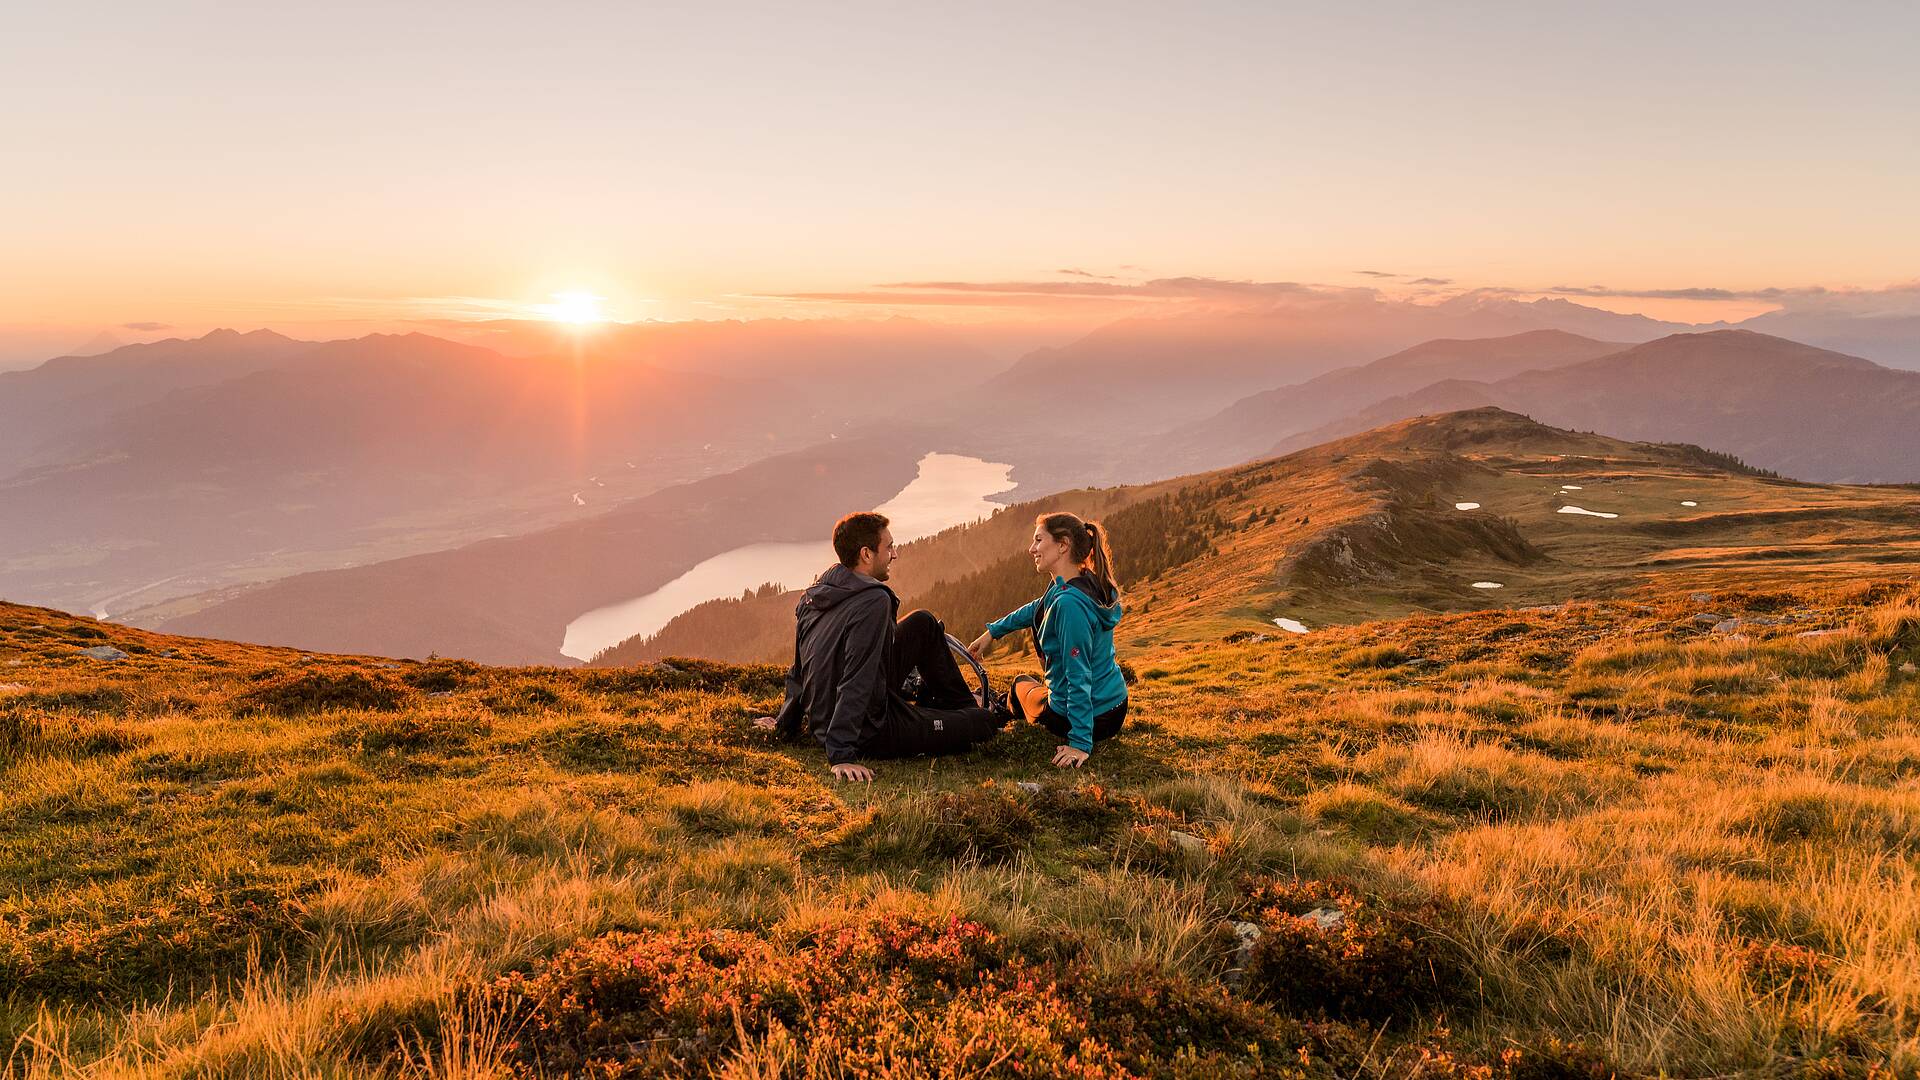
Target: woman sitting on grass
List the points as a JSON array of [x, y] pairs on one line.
[[1084, 697]]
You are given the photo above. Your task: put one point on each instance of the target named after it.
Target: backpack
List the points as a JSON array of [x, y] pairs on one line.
[[996, 701]]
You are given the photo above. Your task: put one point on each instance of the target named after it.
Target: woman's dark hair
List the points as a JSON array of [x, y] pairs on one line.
[[856, 531], [1086, 541]]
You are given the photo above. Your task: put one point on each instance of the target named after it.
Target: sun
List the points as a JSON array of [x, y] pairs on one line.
[[578, 308]]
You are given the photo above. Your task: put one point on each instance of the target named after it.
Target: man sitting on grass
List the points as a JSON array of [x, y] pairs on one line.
[[851, 659]]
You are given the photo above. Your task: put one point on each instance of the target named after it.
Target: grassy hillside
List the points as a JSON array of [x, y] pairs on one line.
[[1675, 832], [1370, 526]]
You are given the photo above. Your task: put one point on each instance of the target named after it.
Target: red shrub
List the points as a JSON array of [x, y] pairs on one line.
[[1376, 962]]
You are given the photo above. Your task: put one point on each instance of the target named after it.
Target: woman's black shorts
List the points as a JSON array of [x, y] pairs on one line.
[[1105, 726]]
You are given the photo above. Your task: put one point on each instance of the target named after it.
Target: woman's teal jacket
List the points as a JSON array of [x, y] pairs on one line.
[[1072, 626]]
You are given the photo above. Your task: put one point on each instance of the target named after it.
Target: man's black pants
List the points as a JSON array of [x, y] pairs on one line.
[[943, 718]]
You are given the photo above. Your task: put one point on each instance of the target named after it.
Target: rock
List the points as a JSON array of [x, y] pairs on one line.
[[441, 693], [1815, 633], [1246, 936], [1908, 668], [165, 654], [1187, 841], [389, 666], [1701, 598], [1727, 626], [1326, 918], [16, 663], [1545, 609], [103, 652], [1707, 619], [11, 688], [1029, 787]]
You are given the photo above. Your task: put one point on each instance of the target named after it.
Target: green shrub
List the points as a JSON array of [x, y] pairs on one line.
[[414, 731], [302, 692]]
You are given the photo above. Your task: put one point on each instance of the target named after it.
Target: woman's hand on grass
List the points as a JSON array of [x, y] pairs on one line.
[[853, 772], [979, 646], [1066, 757]]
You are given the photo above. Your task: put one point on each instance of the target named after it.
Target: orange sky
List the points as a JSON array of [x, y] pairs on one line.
[[196, 164]]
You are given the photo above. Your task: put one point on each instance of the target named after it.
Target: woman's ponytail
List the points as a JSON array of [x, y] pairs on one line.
[[1102, 557], [1086, 541]]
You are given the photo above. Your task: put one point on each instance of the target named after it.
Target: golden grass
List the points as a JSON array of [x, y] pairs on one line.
[[1692, 852]]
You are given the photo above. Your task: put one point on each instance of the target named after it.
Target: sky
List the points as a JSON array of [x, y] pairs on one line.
[[170, 167]]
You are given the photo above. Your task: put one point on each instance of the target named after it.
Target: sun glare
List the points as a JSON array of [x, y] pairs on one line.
[[578, 308]]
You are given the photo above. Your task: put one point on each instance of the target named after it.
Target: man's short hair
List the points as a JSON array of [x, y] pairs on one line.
[[856, 531]]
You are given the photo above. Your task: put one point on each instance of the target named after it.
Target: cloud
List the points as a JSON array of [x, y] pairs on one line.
[[1080, 293], [1902, 299], [1431, 281], [1375, 273], [1685, 294], [147, 326], [1086, 274]]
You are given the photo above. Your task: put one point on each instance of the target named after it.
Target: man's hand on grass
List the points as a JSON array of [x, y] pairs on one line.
[[1066, 757], [853, 772], [765, 723]]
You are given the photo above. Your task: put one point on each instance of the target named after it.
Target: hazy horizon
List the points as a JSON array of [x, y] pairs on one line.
[[192, 166]]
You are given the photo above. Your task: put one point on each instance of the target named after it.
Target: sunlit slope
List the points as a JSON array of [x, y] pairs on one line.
[[1612, 838], [1373, 525], [1385, 533]]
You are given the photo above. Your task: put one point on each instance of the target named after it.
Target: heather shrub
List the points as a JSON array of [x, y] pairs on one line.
[[891, 995], [1372, 963]]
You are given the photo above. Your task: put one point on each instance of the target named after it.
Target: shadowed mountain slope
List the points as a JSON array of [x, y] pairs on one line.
[[1251, 426], [68, 394], [509, 600], [190, 465], [1162, 372], [1777, 404]]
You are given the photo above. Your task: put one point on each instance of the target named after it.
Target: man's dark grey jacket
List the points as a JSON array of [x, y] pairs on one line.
[[841, 680]]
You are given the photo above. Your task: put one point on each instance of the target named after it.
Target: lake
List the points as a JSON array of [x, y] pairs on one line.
[[949, 490]]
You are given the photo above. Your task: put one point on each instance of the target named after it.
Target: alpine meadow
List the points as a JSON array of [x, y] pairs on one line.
[[750, 541]]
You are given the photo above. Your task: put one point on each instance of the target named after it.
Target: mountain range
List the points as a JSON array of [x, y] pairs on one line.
[[158, 471], [155, 480], [1777, 404]]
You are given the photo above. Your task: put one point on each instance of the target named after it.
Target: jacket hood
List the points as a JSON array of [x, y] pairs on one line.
[[836, 585], [1105, 598]]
